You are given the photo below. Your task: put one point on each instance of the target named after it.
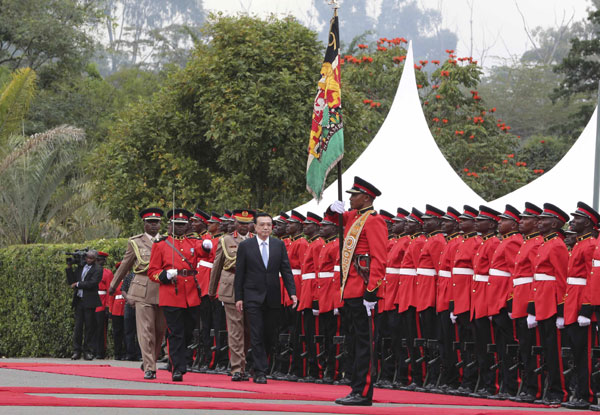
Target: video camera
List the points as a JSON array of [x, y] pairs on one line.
[[77, 257]]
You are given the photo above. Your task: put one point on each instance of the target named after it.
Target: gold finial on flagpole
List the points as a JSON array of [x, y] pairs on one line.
[[335, 5]]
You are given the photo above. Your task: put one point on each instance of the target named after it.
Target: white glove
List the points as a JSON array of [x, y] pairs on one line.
[[452, 317], [336, 312], [369, 305], [315, 312], [583, 321], [490, 318], [560, 322], [510, 316], [337, 206], [171, 273], [207, 245], [531, 323]]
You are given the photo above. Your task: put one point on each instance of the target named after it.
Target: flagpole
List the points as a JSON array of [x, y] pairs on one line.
[[597, 156]]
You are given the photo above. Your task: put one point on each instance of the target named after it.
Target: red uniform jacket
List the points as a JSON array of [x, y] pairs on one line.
[[462, 272], [309, 269], [373, 242], [578, 298], [296, 252], [479, 283], [328, 277], [107, 277], [205, 265], [550, 276], [594, 282], [286, 301], [381, 293], [117, 302], [408, 273], [163, 258], [522, 275], [444, 280], [427, 270], [391, 281], [499, 289]]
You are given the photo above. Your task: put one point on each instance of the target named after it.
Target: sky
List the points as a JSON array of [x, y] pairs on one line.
[[497, 29]]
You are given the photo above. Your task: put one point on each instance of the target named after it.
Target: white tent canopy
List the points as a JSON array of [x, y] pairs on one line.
[[403, 160], [571, 180]]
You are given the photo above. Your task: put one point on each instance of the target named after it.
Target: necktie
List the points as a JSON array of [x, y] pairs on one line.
[[265, 254]]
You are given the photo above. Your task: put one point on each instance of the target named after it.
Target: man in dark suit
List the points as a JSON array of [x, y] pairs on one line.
[[84, 280], [259, 263]]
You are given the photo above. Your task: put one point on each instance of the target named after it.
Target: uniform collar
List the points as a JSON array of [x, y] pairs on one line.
[[314, 238], [296, 237], [488, 236], [416, 235], [550, 236], [363, 210], [469, 235], [434, 233], [452, 236], [584, 237], [531, 235], [508, 235], [331, 238], [179, 238], [217, 235]]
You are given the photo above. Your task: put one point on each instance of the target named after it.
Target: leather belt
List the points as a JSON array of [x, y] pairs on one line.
[[576, 281], [544, 277], [430, 272], [481, 278], [205, 264], [445, 274], [187, 272], [522, 280], [499, 273], [463, 271]]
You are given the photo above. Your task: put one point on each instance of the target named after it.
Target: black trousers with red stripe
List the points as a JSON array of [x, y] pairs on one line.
[[482, 333], [428, 320], [549, 343], [309, 322], [504, 335], [363, 371], [408, 319], [328, 326], [579, 339], [179, 320], [446, 338], [527, 339]]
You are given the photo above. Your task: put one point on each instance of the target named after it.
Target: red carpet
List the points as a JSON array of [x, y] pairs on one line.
[[273, 391]]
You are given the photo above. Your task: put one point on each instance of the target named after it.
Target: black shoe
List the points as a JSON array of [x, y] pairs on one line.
[[245, 376], [291, 378], [307, 379], [523, 397], [177, 376], [142, 367], [481, 393], [383, 384], [326, 380], [149, 375], [237, 377], [119, 357], [99, 357], [501, 396], [576, 404], [88, 356], [548, 401], [76, 356], [354, 399], [410, 387], [260, 379], [595, 408], [460, 391]]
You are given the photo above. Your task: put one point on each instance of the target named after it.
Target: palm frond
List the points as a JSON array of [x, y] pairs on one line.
[[15, 98]]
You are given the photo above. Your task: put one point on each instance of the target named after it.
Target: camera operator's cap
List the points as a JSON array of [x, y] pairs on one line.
[[102, 254], [451, 214], [469, 212], [487, 213], [152, 214], [363, 186], [312, 218], [214, 218], [296, 217], [179, 215], [200, 215], [387, 216], [432, 212], [511, 212], [330, 219], [244, 215], [415, 216], [401, 214], [587, 212], [553, 211], [531, 211]]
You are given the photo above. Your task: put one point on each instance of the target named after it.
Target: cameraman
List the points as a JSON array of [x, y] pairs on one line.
[[84, 280]]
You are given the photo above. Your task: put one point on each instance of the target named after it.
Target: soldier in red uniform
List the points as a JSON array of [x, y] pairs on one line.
[[446, 336], [116, 303], [363, 266], [328, 293], [308, 299], [173, 263], [499, 291], [522, 281], [460, 304], [296, 252], [549, 287], [199, 224], [578, 309], [102, 311], [427, 271]]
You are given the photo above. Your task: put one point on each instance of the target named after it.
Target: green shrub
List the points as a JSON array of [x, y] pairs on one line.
[[35, 300]]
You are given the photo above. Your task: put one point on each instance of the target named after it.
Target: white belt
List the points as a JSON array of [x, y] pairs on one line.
[[101, 292], [596, 262], [408, 271], [325, 274], [445, 274], [296, 272], [522, 280], [430, 272], [118, 297], [336, 268], [463, 271], [481, 278], [499, 273], [205, 264], [308, 276], [544, 277], [392, 270], [576, 281]]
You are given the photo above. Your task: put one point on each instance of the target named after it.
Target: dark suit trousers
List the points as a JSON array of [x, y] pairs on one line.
[[363, 371], [101, 328], [84, 319], [133, 349], [178, 320], [118, 327], [263, 322], [206, 324]]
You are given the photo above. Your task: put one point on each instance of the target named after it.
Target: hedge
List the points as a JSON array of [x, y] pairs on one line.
[[35, 299]]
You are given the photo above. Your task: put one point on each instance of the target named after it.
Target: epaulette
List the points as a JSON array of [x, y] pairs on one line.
[[137, 236], [162, 238]]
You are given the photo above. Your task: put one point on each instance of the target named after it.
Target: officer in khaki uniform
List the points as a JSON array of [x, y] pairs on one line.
[[223, 275], [150, 321]]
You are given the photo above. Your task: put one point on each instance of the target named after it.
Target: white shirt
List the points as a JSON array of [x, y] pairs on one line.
[[84, 272], [152, 238], [260, 241]]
